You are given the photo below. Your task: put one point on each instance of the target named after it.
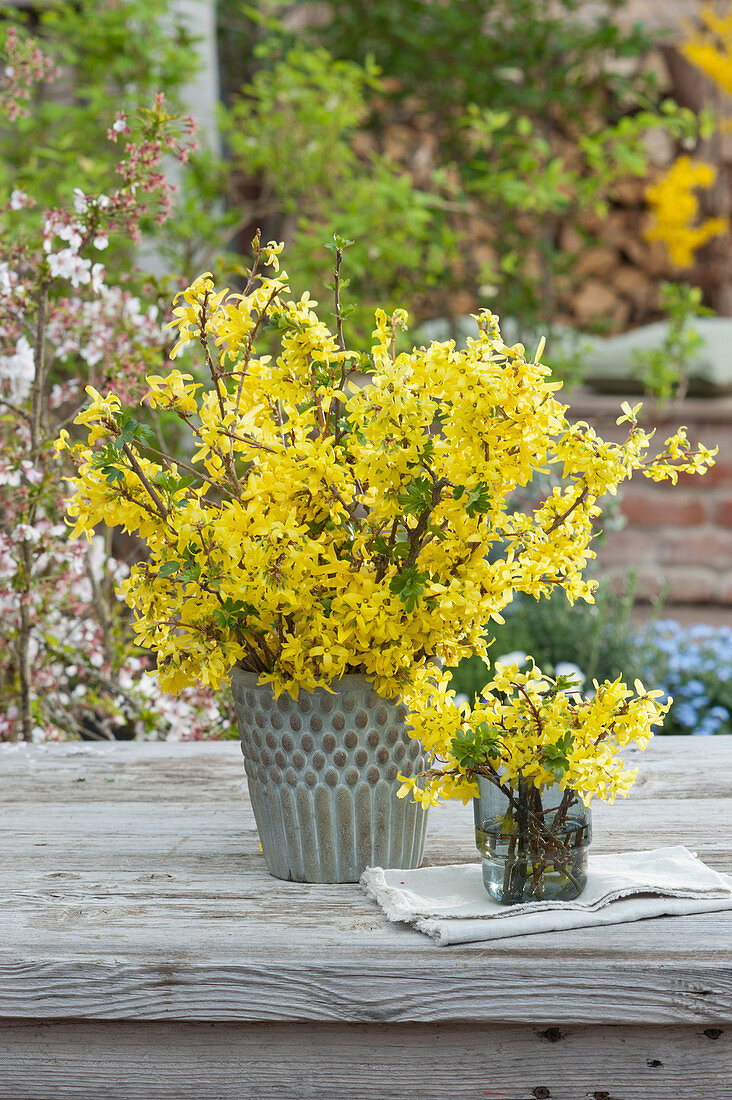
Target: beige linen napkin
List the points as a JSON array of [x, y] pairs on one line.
[[451, 904]]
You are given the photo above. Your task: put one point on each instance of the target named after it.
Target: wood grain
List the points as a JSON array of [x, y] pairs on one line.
[[62, 1061], [134, 902]]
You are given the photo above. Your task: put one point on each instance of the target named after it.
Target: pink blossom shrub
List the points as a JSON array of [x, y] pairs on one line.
[[68, 665]]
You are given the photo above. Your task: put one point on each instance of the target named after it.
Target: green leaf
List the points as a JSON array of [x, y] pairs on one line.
[[409, 586], [381, 547], [416, 496], [145, 433], [556, 756], [231, 612], [169, 567], [568, 683], [191, 571], [474, 747], [437, 532], [478, 500]]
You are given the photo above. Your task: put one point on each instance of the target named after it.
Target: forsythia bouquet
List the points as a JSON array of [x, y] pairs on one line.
[[527, 728], [532, 753], [320, 528]]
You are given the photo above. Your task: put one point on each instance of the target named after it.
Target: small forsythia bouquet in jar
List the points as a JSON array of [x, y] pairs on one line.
[[526, 727], [319, 527], [531, 752]]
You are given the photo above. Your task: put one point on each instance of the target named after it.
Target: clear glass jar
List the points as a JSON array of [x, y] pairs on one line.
[[533, 842]]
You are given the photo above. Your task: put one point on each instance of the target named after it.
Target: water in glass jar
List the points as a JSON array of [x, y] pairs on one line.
[[553, 868]]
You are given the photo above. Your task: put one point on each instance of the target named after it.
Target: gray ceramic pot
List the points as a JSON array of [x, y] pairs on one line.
[[322, 775]]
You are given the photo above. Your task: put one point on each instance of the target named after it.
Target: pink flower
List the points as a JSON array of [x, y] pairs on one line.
[[18, 370], [25, 533], [67, 264], [32, 475], [10, 477], [97, 278], [58, 224], [71, 232]]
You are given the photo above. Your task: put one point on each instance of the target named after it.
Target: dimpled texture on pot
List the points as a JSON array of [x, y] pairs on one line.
[[322, 773]]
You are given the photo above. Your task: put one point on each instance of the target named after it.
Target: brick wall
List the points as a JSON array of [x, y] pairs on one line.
[[678, 540]]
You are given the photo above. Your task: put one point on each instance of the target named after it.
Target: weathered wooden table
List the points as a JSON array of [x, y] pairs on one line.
[[145, 952]]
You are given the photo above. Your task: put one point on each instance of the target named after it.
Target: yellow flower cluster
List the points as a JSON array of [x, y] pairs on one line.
[[711, 48], [674, 207], [675, 210], [319, 528], [525, 726]]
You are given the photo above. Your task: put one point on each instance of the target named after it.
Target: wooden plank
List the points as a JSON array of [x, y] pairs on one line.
[[142, 836], [77, 773], [673, 767], [128, 1061], [131, 886], [439, 988]]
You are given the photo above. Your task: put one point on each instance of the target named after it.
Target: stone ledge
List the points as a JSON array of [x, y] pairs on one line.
[[584, 404]]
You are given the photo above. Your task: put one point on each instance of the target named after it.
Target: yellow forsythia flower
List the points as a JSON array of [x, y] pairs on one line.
[[710, 49], [524, 727], [315, 528], [675, 209]]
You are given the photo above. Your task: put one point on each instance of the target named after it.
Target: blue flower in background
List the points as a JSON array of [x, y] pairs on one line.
[[693, 665], [694, 689], [686, 715]]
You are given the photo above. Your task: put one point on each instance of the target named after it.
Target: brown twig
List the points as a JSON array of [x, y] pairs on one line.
[[532, 706], [203, 341], [559, 520], [184, 466], [249, 347], [152, 492], [16, 409]]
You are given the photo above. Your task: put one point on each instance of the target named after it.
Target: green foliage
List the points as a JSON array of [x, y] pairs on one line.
[[527, 179], [477, 500], [409, 586], [471, 748], [664, 371], [519, 54], [537, 110], [194, 236], [556, 756], [245, 33], [416, 496], [290, 134], [112, 56], [516, 170], [294, 119]]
